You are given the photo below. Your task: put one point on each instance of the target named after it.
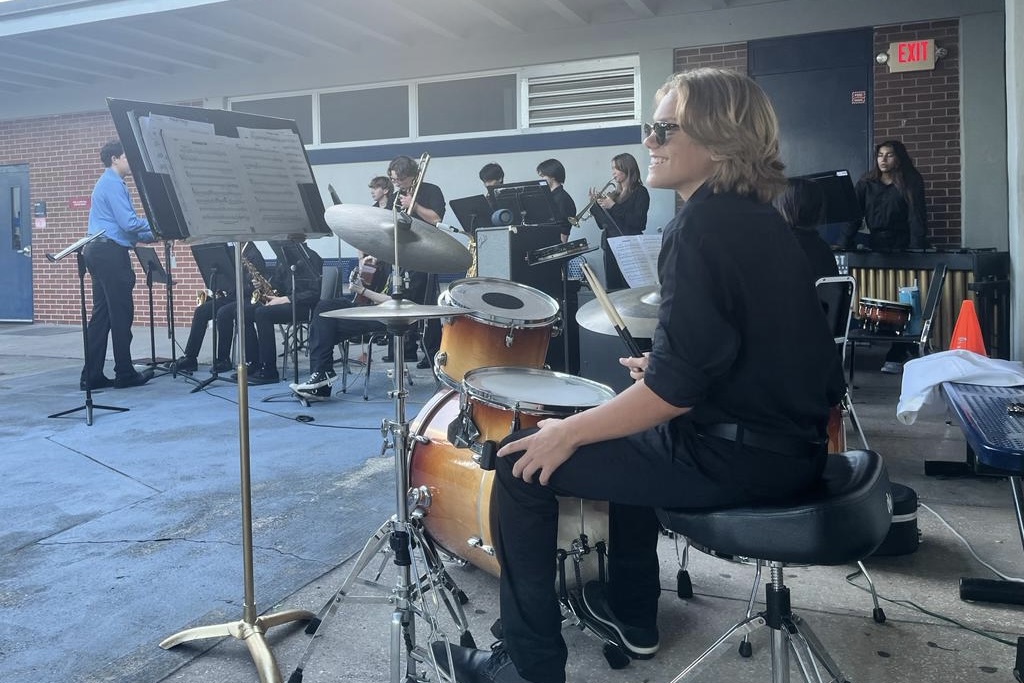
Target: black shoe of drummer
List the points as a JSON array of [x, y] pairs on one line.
[[478, 666], [640, 642]]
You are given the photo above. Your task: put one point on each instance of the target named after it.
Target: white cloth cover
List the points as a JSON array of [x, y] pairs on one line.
[[922, 377]]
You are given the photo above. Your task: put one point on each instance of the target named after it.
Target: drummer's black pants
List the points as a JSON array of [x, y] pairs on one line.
[[661, 467]]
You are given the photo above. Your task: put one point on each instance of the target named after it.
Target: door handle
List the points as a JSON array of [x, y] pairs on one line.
[[26, 251]]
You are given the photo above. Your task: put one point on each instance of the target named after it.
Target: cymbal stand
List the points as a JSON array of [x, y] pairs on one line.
[[402, 537], [422, 584], [250, 628]]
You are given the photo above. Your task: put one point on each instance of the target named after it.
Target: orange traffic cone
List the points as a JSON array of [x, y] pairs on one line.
[[967, 332]]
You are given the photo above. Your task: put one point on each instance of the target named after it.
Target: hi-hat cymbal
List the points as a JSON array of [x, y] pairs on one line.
[[637, 306], [421, 246], [397, 311]]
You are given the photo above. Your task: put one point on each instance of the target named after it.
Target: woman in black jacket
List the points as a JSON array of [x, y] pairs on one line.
[[627, 205]]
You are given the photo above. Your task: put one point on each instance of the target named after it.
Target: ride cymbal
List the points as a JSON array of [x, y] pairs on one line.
[[421, 246], [637, 306]]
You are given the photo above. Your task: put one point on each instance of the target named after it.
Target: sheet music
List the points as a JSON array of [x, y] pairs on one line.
[[215, 197], [151, 127], [288, 145], [232, 188], [637, 256]]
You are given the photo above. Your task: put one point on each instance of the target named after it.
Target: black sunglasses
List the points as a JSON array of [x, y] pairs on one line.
[[661, 129]]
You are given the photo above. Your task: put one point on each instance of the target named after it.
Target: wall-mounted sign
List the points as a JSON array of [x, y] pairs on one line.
[[858, 97], [77, 203], [912, 55]]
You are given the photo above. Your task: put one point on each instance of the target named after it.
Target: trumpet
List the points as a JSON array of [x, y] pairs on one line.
[[585, 213]]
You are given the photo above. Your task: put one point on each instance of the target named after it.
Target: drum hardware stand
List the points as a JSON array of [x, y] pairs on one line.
[[402, 538], [76, 249], [250, 628]]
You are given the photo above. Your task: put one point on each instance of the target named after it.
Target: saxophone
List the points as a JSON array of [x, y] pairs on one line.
[[263, 291]]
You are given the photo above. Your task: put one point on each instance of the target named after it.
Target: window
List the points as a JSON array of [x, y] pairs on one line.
[[354, 115], [298, 107], [468, 105]]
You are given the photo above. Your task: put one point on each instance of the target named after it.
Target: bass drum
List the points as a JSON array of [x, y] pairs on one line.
[[455, 496]]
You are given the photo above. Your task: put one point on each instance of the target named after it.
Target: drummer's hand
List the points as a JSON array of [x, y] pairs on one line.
[[637, 366], [545, 451]]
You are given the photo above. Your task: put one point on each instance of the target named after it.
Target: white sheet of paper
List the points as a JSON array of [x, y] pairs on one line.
[[286, 144], [151, 129], [637, 256]]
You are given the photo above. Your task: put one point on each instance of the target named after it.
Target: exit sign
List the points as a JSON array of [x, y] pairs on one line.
[[912, 55]]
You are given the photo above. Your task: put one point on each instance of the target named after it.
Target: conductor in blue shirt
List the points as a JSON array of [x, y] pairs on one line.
[[113, 278]]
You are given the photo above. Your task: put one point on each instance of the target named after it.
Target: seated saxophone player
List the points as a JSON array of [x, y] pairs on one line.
[[369, 286], [271, 305], [189, 362]]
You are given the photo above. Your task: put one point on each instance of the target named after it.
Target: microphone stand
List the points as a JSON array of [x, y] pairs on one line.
[[250, 628]]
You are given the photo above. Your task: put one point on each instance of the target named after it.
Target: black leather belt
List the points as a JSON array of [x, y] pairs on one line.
[[106, 240], [776, 443]]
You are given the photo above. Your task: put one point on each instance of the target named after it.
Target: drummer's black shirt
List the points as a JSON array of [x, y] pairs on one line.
[[741, 336]]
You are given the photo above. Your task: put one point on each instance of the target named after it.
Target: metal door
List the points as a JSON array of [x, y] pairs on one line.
[[15, 245]]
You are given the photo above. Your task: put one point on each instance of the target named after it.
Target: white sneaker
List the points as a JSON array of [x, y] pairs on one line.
[[891, 367]]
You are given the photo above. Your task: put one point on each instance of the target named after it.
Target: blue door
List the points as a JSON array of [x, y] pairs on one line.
[[15, 245]]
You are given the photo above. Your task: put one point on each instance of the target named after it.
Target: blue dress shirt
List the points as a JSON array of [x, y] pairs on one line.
[[112, 211]]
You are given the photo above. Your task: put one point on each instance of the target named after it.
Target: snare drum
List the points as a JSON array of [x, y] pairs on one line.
[[511, 326], [451, 491]]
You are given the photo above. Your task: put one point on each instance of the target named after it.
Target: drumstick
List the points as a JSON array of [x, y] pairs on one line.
[[613, 315]]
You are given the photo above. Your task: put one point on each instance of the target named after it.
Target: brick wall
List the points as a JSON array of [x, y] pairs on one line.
[[920, 108], [62, 153]]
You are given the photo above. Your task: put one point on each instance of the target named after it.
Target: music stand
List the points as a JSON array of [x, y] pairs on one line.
[[155, 272], [215, 264], [76, 249], [473, 212], [529, 201], [299, 259]]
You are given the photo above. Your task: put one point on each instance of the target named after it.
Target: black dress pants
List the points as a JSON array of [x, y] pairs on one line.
[[661, 467], [201, 317], [325, 333], [264, 319], [113, 309]]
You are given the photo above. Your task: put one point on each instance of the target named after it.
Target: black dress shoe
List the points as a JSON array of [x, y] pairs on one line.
[[136, 380], [186, 364], [222, 365], [478, 666], [102, 383]]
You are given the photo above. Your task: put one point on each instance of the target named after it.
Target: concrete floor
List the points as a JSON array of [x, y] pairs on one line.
[[123, 533]]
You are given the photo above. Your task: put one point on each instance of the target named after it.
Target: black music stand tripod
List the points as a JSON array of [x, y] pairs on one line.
[[76, 249], [215, 264], [155, 272]]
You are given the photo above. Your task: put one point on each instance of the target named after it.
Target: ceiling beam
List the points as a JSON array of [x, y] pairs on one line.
[[336, 18], [641, 8], [257, 47], [181, 45], [17, 79], [48, 70], [567, 13], [30, 17], [415, 15], [278, 26], [493, 16], [111, 46], [67, 49]]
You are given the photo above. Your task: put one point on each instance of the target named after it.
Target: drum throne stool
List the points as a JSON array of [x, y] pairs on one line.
[[841, 522]]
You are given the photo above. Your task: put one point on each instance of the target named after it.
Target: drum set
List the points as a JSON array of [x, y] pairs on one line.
[[494, 339]]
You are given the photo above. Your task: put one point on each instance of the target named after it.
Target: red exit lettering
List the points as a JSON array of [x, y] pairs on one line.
[[916, 51]]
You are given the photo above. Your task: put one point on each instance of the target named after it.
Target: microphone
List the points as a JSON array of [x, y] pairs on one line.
[[444, 226]]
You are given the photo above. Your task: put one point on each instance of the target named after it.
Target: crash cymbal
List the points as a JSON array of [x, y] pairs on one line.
[[397, 311], [637, 306], [421, 246]]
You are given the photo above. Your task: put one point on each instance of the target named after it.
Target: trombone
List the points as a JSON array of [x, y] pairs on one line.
[[585, 213]]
